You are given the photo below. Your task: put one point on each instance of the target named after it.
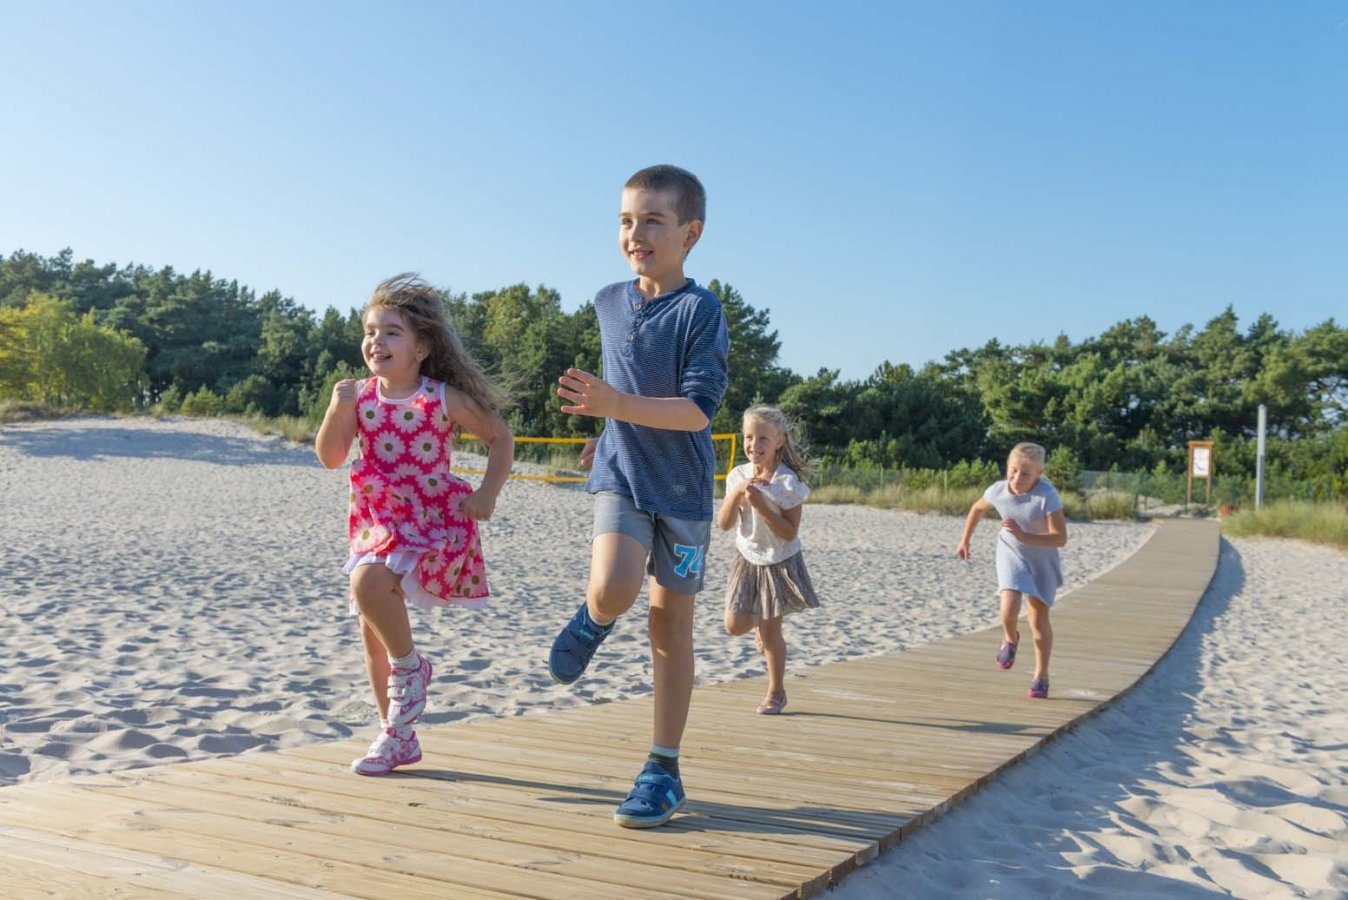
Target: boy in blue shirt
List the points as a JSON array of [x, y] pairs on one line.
[[665, 345]]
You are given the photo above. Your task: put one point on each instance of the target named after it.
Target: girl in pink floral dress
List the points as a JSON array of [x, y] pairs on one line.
[[412, 524]]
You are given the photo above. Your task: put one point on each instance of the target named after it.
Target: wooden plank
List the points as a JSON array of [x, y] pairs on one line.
[[53, 813], [701, 873], [523, 806]]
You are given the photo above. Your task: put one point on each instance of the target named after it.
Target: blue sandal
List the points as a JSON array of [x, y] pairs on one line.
[[655, 797]]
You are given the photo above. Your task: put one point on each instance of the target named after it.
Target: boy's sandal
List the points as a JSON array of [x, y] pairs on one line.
[[772, 706]]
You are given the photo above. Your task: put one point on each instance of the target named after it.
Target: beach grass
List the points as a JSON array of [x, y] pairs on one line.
[[1320, 523], [28, 411], [956, 501], [1099, 505]]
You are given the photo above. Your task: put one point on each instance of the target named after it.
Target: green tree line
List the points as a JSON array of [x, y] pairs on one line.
[[81, 335]]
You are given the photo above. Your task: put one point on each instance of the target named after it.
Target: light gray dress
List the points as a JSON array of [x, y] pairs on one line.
[[1035, 571]]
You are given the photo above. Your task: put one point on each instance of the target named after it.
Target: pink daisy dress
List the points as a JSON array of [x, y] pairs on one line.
[[405, 503]]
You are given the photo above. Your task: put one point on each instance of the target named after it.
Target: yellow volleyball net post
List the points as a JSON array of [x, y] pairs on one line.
[[556, 460]]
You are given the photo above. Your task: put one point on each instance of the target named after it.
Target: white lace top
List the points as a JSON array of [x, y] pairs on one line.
[[756, 541]]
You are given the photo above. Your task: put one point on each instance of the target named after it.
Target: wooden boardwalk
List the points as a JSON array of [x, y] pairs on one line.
[[869, 751]]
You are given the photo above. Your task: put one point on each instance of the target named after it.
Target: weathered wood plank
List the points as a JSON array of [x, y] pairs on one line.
[[869, 751]]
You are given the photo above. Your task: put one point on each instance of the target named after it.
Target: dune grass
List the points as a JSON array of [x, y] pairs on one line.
[[956, 501], [1320, 523], [28, 411], [293, 428]]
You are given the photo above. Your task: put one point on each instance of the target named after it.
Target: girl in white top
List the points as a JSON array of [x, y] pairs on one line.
[[768, 577]]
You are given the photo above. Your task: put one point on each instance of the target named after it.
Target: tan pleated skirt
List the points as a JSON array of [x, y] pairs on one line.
[[769, 591]]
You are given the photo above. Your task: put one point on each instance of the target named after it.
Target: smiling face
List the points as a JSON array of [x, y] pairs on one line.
[[1022, 474], [762, 443], [650, 236], [391, 349]]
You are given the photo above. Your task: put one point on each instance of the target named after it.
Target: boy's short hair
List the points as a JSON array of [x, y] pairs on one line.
[[1030, 452], [690, 198]]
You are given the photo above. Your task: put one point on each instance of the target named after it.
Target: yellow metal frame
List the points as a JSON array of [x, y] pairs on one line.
[[562, 479]]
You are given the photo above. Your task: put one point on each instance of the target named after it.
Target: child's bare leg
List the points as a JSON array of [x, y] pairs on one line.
[[382, 607], [671, 626], [377, 666], [617, 568], [739, 623], [1043, 636], [774, 650], [1011, 616]]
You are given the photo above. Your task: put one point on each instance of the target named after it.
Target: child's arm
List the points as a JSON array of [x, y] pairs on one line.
[[587, 452], [592, 396], [783, 523], [730, 506], [970, 523], [338, 430], [490, 429], [1056, 536]]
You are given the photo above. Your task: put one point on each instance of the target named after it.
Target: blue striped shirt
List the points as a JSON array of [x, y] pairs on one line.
[[673, 345]]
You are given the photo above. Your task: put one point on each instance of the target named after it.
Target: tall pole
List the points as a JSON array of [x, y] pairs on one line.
[[1259, 458]]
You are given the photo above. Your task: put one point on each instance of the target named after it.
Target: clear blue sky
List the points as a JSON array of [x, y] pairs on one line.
[[893, 181]]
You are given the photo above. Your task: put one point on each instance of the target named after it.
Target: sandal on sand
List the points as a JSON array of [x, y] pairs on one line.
[[772, 706], [1006, 656]]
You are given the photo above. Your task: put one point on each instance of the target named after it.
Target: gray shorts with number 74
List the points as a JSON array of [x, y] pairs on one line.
[[676, 548]]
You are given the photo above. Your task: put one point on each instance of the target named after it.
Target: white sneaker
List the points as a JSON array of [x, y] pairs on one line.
[[407, 692], [393, 748]]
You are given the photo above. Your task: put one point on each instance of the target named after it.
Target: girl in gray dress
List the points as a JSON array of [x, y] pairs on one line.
[[1033, 528]]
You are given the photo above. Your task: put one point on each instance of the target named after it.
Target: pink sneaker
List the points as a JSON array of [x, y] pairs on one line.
[[1038, 689], [407, 692], [393, 748]]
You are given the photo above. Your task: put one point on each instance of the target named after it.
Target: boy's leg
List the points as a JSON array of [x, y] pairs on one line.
[[677, 552], [1043, 636], [774, 650], [619, 545], [671, 626], [617, 568]]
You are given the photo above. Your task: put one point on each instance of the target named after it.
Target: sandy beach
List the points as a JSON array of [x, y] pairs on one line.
[[176, 593], [1224, 773]]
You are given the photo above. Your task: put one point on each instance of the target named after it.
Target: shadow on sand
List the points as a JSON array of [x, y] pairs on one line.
[[103, 441]]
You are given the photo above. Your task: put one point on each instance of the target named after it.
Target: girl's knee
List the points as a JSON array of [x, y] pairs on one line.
[[738, 624], [1038, 616], [372, 584]]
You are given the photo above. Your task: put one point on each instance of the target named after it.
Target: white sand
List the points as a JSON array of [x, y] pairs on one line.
[[1225, 771], [173, 591]]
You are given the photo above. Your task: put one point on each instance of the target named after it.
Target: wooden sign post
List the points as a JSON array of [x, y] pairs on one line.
[[1200, 466]]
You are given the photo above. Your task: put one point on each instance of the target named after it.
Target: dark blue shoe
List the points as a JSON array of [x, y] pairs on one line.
[[655, 797], [574, 647]]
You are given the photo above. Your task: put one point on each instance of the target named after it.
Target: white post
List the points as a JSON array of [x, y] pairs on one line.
[[1259, 458]]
